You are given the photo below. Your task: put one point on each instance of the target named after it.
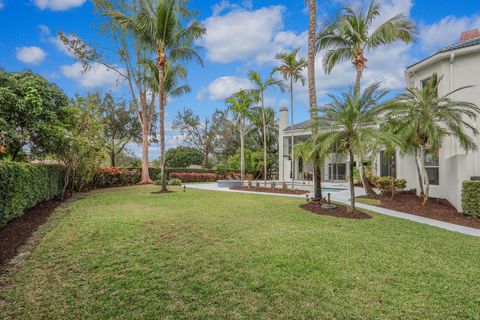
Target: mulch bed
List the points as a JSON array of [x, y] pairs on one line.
[[17, 232], [339, 211], [270, 190], [438, 209]]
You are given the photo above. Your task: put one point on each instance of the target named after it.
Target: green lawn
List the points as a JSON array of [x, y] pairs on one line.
[[129, 254]]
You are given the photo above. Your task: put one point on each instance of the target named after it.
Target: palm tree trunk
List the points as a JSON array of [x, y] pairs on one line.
[[393, 172], [426, 187], [145, 174], [363, 175], [293, 138], [264, 124], [242, 151], [317, 177], [161, 61], [352, 187], [419, 173], [358, 78]]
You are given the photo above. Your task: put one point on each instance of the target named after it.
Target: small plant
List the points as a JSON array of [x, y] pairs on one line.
[[257, 184], [158, 182], [385, 184], [250, 184], [274, 184], [285, 186], [175, 182]]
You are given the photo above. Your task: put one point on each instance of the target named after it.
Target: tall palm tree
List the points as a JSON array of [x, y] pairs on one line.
[[240, 104], [262, 87], [159, 25], [291, 70], [428, 118], [312, 95], [349, 120], [350, 37]]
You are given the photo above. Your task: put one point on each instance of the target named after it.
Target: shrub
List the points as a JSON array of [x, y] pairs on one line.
[[471, 198], [24, 185], [175, 182], [115, 177], [195, 177], [385, 184]]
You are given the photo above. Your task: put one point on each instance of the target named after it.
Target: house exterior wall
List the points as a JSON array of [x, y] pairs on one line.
[[458, 69]]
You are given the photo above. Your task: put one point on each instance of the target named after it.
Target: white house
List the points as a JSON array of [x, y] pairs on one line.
[[459, 65]]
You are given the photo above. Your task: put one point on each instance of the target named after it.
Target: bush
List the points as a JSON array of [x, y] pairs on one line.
[[195, 177], [471, 198], [175, 182], [385, 184], [24, 185], [116, 177]]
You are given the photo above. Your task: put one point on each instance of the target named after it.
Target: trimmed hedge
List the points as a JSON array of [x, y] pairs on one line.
[[116, 177], [471, 198], [24, 185], [195, 177]]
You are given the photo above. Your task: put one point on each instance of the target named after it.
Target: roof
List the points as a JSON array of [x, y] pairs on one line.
[[298, 126], [453, 47]]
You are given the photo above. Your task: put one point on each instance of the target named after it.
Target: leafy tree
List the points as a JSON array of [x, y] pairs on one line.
[[32, 114], [348, 121], [291, 70], [240, 104], [160, 26], [120, 125], [427, 118], [253, 161], [312, 94], [261, 87], [348, 38], [183, 157], [201, 136], [228, 136]]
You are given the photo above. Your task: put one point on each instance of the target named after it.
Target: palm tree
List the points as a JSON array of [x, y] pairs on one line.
[[348, 38], [291, 70], [240, 104], [427, 119], [350, 119], [312, 95], [160, 26], [261, 87], [303, 150]]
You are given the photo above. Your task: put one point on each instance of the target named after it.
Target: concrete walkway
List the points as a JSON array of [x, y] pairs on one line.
[[344, 196]]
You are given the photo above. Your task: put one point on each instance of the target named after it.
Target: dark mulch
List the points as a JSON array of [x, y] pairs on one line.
[[339, 211], [17, 232], [270, 190], [438, 209]]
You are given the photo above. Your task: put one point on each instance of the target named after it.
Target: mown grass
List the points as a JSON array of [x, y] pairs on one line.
[[371, 202], [129, 254]]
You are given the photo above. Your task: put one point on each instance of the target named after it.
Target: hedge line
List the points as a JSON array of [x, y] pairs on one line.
[[471, 198], [24, 185]]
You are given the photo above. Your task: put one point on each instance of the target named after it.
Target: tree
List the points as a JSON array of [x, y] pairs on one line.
[[32, 114], [120, 125], [427, 118], [348, 38], [228, 137], [159, 25], [183, 157], [197, 134], [261, 87], [349, 120], [291, 70], [312, 96], [240, 104], [131, 53]]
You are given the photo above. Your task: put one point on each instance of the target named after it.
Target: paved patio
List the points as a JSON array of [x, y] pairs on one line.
[[344, 196]]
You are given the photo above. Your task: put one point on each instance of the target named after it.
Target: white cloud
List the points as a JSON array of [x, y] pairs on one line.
[[58, 5], [223, 5], [223, 87], [46, 36], [31, 55], [446, 31], [245, 35], [96, 77]]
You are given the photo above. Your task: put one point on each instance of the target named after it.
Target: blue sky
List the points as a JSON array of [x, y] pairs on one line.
[[241, 36]]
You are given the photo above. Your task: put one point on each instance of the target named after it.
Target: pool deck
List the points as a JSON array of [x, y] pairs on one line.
[[344, 198]]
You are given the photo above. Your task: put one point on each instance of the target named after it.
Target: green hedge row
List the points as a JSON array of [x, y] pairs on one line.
[[154, 172], [471, 198], [24, 185]]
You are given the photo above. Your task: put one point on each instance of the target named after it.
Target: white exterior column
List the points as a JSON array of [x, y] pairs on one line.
[[282, 124]]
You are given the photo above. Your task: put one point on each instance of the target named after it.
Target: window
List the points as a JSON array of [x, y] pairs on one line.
[[432, 166], [287, 151]]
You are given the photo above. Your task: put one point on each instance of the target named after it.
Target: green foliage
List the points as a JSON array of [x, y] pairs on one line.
[[385, 184], [253, 161], [471, 198], [175, 182], [23, 185], [32, 113], [115, 177], [183, 157]]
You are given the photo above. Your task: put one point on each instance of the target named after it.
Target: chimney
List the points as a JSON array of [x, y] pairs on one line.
[[283, 123], [470, 34]]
